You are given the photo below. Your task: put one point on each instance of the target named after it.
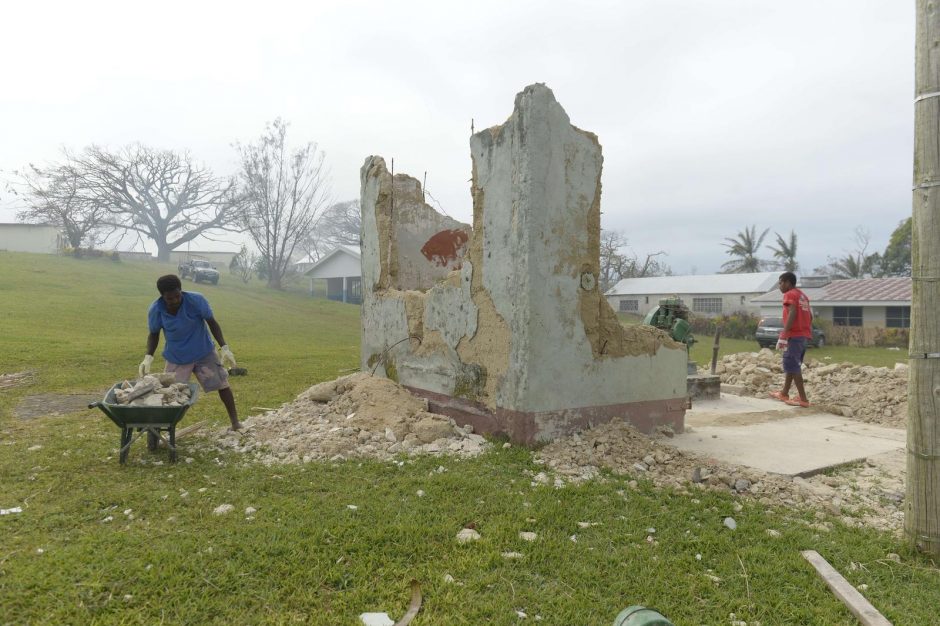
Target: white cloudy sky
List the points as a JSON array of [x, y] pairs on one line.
[[713, 114]]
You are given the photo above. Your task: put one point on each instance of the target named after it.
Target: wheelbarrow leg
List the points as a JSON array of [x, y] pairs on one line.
[[153, 440], [125, 443], [173, 443]]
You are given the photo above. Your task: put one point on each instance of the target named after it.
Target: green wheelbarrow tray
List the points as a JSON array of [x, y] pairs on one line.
[[145, 419]]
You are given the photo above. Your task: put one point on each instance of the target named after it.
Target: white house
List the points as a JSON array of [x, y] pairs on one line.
[[708, 295], [341, 268], [42, 238]]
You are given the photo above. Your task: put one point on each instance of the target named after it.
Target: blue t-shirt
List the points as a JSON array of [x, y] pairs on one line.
[[187, 336]]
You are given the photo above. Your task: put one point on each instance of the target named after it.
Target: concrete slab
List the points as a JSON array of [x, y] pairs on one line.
[[767, 435]]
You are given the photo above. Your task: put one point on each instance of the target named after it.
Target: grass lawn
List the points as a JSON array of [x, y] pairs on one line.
[[104, 544]]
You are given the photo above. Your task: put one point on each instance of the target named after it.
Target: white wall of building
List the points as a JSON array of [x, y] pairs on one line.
[[701, 304], [40, 238]]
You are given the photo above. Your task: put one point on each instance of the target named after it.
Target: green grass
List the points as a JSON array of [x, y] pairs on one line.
[[307, 558]]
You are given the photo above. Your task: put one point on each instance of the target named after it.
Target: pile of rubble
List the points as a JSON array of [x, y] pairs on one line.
[[153, 390], [356, 416], [868, 495], [870, 394]]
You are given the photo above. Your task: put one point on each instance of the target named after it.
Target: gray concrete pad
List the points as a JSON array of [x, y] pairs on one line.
[[774, 437]]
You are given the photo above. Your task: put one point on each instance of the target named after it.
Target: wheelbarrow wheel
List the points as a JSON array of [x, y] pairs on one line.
[[152, 440]]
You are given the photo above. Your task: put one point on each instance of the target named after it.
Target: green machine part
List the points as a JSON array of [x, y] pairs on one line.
[[671, 316]]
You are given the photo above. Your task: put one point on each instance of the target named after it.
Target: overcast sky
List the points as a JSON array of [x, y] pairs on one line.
[[713, 114]]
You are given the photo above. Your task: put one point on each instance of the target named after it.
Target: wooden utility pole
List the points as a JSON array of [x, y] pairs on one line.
[[922, 507]]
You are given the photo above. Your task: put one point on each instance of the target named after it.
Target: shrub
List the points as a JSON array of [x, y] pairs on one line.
[[739, 325]]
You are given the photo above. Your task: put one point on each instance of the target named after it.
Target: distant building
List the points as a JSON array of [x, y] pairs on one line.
[[341, 270], [220, 259], [707, 295], [864, 303], [41, 238]]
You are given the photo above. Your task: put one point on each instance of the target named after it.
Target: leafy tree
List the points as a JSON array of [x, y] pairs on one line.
[[896, 260], [159, 194], [282, 195], [744, 248], [785, 252]]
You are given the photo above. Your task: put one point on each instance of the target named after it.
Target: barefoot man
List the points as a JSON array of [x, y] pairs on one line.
[[797, 331], [184, 317]]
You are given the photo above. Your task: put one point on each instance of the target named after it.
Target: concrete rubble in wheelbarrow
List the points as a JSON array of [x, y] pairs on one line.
[[502, 325]]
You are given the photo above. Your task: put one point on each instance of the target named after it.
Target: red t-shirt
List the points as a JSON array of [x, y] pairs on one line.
[[796, 301]]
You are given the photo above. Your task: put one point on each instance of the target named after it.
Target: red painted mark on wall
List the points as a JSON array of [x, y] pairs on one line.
[[446, 248]]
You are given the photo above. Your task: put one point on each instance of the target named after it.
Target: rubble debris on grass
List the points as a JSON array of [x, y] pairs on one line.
[[16, 379], [153, 390], [870, 394], [355, 416], [867, 495]]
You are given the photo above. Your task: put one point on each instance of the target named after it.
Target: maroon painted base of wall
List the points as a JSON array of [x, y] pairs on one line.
[[530, 427]]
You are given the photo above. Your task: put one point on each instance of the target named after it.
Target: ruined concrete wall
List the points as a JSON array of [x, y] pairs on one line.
[[520, 329], [538, 180], [416, 308]]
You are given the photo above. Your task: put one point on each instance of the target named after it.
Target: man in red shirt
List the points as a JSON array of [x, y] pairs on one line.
[[797, 330]]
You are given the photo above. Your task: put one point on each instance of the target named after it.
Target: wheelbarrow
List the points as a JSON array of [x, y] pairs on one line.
[[145, 419]]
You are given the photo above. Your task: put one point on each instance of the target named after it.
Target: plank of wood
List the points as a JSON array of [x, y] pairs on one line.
[[861, 608], [189, 429]]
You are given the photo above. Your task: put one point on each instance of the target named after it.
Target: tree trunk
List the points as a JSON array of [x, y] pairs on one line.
[[163, 253], [922, 508]]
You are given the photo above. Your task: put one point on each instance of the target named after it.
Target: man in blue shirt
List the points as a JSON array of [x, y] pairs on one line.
[[184, 317]]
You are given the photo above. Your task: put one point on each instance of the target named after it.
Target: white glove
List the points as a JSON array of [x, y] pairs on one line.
[[144, 368], [228, 359], [781, 344]]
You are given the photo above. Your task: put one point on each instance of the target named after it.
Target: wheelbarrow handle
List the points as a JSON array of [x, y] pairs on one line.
[[94, 405]]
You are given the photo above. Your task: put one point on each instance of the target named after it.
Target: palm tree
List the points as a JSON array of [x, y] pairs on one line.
[[744, 246], [847, 267], [786, 252]]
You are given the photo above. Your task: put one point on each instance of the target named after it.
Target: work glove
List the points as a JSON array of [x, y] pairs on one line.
[[781, 344], [144, 368], [228, 359]]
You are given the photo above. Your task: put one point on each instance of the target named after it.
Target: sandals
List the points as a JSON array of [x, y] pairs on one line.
[[779, 395], [797, 402]]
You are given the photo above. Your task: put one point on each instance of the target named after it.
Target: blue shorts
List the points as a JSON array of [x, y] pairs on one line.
[[793, 355]]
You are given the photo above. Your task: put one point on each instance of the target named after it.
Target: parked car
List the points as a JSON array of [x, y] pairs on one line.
[[768, 332], [199, 270]]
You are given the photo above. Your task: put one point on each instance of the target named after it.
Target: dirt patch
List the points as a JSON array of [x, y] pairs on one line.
[[877, 395], [53, 404], [357, 416]]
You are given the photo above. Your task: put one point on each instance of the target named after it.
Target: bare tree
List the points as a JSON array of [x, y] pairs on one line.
[[243, 264], [282, 195], [53, 195], [159, 194], [338, 225], [855, 264], [618, 261]]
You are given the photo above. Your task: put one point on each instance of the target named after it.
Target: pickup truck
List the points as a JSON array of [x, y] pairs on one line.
[[199, 270]]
